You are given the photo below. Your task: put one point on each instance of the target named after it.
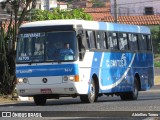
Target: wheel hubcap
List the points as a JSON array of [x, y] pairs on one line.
[[92, 91]]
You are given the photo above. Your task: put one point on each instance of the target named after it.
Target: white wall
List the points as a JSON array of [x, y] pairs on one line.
[[48, 4], [135, 7]]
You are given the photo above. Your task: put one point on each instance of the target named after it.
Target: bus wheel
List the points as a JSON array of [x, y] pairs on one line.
[[92, 96], [39, 99], [134, 94], [124, 96], [131, 95]]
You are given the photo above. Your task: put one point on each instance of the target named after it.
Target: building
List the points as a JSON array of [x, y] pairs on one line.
[[50, 4], [98, 14], [89, 3], [3, 14], [136, 7]]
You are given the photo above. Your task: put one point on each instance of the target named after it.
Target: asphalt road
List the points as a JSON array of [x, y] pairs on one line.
[[148, 104], [147, 107]]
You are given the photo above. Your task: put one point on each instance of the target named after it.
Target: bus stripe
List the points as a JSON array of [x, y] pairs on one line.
[[118, 81]]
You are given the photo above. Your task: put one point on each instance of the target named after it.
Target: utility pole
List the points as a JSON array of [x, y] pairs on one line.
[[30, 14], [115, 11]]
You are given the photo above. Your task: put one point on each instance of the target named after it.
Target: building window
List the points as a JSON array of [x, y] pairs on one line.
[[148, 11]]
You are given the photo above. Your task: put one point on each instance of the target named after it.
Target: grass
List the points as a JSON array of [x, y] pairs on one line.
[[7, 99]]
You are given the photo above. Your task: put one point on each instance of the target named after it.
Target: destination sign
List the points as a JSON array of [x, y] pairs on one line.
[[27, 35]]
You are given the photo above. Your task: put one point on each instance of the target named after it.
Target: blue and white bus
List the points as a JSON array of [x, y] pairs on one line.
[[107, 59]]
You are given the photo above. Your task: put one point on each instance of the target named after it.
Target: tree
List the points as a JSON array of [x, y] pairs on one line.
[[156, 39], [60, 14], [97, 3], [7, 61], [18, 16], [12, 7]]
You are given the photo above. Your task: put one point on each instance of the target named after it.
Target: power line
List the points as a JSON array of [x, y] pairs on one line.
[[140, 13], [138, 2]]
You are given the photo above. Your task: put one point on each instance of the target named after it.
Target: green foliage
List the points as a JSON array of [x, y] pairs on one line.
[[56, 13], [156, 63], [156, 39], [5, 76], [7, 43], [157, 60], [98, 4]]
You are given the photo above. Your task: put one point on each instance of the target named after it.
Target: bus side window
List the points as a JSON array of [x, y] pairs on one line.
[[133, 38], [101, 43], [91, 39], [87, 39], [123, 43], [149, 43], [98, 40], [112, 41], [142, 43]]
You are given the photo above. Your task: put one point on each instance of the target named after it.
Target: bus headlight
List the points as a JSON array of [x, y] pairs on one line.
[[19, 80], [74, 78], [22, 80], [25, 80], [65, 78]]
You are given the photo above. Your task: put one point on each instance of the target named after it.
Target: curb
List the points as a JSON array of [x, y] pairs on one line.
[[24, 98]]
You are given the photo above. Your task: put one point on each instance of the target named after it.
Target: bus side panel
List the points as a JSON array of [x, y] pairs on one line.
[[143, 66], [85, 72], [116, 71], [113, 71]]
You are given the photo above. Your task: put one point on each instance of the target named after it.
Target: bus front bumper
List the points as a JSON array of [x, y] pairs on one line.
[[61, 89]]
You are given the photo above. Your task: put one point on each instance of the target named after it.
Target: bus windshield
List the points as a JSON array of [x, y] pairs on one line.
[[51, 46]]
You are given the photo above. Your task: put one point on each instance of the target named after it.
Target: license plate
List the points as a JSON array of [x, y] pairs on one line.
[[46, 91]]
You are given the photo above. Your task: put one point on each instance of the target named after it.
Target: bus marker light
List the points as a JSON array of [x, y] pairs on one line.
[[76, 78]]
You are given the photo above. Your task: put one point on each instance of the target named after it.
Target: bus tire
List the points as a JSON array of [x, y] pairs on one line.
[[92, 96], [134, 94], [124, 96], [39, 99], [131, 95]]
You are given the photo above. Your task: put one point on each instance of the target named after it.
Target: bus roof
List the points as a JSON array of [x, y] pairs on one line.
[[91, 25]]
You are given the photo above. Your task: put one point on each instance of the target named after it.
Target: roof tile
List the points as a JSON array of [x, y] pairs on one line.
[[138, 20]]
